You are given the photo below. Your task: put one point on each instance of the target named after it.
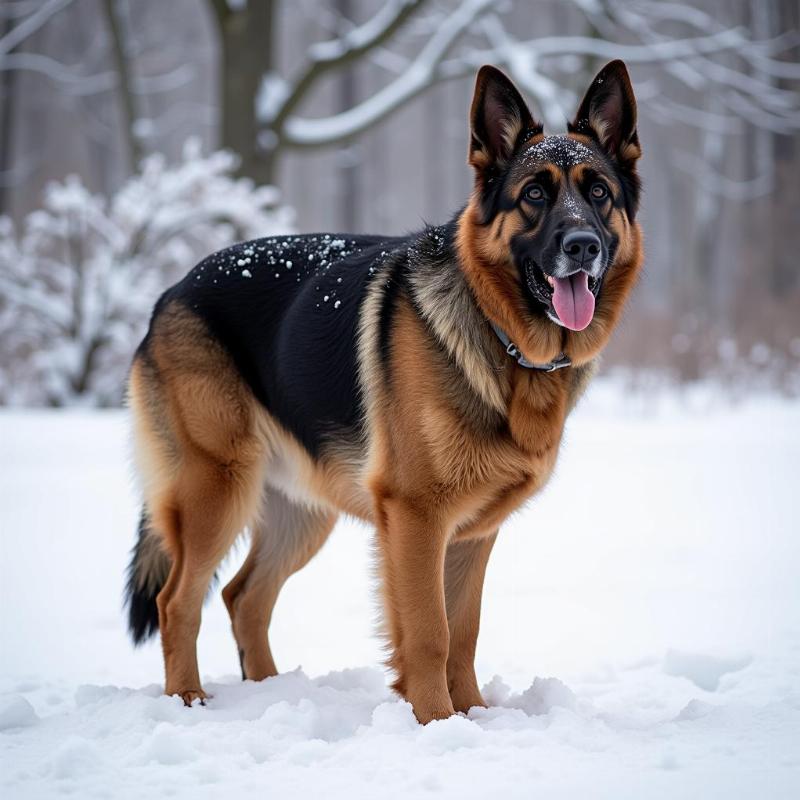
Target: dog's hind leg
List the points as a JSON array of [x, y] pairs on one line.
[[201, 451], [464, 571], [212, 505], [285, 538]]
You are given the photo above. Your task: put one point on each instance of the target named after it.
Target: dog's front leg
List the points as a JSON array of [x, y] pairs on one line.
[[464, 571], [412, 544]]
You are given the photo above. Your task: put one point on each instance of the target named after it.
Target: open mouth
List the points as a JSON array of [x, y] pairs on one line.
[[571, 299]]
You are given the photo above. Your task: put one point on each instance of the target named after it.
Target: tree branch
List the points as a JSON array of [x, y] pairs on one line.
[[422, 73], [671, 50], [35, 302], [30, 25], [751, 97], [74, 83], [325, 56]]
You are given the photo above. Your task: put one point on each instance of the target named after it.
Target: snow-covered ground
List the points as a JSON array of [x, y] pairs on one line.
[[654, 588]]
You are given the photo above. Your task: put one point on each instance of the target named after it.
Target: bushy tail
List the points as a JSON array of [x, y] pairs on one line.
[[147, 574]]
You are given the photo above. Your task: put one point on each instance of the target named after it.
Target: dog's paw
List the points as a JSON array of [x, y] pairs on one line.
[[430, 708], [465, 699], [190, 695], [428, 714]]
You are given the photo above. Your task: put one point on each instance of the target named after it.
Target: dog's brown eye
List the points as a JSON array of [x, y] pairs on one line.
[[599, 191], [534, 193]]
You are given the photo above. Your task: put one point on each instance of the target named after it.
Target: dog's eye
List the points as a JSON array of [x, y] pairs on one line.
[[534, 193], [599, 191]]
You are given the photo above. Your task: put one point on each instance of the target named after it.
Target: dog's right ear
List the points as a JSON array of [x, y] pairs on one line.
[[499, 122]]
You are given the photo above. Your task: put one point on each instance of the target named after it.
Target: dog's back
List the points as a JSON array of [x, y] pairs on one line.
[[286, 310]]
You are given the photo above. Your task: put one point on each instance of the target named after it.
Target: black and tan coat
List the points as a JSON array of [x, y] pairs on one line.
[[286, 381]]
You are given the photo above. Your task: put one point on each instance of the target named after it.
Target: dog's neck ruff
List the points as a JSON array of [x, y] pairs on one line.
[[558, 362]]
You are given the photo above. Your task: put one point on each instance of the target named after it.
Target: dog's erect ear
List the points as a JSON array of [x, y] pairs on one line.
[[499, 121], [608, 113]]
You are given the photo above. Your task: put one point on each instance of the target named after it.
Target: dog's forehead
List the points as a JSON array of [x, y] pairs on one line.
[[563, 151]]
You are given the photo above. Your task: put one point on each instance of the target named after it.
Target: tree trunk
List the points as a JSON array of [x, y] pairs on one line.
[[247, 54], [349, 156], [122, 65], [7, 98]]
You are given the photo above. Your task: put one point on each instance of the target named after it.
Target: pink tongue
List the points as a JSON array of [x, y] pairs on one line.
[[573, 301]]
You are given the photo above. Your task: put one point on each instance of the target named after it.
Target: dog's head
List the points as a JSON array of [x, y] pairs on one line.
[[551, 224]]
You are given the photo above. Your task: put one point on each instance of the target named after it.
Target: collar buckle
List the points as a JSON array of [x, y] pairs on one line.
[[559, 362]]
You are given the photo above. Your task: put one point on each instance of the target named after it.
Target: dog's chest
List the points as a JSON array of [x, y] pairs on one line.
[[504, 470], [491, 480]]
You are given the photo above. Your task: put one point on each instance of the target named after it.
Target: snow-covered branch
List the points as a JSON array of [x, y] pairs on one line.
[[673, 50], [324, 56], [73, 82], [77, 83], [420, 74], [745, 86], [524, 58], [20, 32]]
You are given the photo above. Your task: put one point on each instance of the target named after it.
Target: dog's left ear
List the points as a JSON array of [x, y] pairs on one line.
[[499, 122], [608, 113]]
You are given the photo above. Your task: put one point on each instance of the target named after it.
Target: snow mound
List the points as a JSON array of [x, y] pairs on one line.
[[16, 712], [274, 733], [346, 734], [542, 696], [704, 671]]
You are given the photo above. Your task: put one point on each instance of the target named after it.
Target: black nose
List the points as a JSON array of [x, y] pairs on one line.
[[581, 246]]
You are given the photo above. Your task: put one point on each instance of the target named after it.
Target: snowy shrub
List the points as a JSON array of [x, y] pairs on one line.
[[78, 282]]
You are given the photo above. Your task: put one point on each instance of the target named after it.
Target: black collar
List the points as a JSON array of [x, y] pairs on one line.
[[557, 363]]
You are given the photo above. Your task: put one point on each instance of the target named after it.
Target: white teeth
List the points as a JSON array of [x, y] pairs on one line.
[[550, 280]]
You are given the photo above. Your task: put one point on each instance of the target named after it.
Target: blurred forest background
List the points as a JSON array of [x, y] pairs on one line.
[[138, 135]]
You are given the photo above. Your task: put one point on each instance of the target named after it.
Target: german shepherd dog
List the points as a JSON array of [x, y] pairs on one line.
[[419, 383]]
